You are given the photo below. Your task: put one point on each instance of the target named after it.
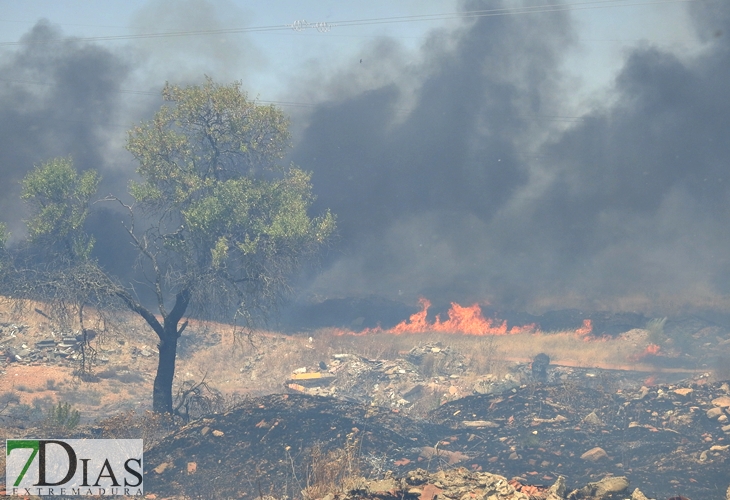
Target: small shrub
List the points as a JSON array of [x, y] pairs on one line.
[[51, 384], [87, 376], [63, 415], [6, 400], [335, 470]]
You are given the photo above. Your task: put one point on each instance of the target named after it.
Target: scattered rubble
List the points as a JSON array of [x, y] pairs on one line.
[[432, 374], [17, 345]]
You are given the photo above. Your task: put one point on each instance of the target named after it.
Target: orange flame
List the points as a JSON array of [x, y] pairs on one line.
[[461, 320], [586, 329], [464, 320], [651, 350]]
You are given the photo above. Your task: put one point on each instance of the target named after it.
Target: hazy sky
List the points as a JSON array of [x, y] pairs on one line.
[[604, 28], [539, 154]]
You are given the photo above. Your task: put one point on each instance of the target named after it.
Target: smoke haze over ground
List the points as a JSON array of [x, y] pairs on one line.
[[628, 208], [448, 170]]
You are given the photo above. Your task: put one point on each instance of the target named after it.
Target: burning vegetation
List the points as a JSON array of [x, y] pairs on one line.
[[462, 320]]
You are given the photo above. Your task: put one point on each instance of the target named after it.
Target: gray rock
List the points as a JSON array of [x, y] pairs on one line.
[[558, 488], [593, 419], [714, 412], [382, 486], [638, 495], [605, 488], [594, 454]]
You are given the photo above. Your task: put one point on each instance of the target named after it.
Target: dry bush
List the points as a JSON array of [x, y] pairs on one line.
[[335, 470]]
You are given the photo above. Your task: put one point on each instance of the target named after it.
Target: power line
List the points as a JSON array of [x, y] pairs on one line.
[[327, 26]]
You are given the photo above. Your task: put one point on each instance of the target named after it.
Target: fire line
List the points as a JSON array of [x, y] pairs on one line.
[[463, 320]]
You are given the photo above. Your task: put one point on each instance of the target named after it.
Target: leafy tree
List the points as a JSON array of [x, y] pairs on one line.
[[56, 267], [59, 198], [224, 224]]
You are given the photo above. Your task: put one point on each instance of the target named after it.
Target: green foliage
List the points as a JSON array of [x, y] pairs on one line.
[[225, 223], [229, 214], [211, 133], [59, 200], [63, 416]]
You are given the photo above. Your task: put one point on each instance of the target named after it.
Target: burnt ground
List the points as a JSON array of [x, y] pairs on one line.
[[669, 438], [662, 438]]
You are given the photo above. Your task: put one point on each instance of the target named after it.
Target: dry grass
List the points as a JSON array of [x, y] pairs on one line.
[[489, 353], [260, 363], [237, 364], [251, 364], [333, 471]]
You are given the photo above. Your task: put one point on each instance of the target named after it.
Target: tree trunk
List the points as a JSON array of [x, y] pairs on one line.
[[162, 388], [168, 334]]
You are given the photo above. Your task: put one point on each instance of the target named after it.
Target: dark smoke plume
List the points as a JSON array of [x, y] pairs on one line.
[[416, 196], [58, 97], [447, 175], [464, 199]]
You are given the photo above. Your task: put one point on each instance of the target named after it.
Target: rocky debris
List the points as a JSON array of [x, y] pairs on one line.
[[593, 419], [433, 373], [606, 488], [461, 483], [17, 346], [662, 442], [436, 358], [638, 495], [394, 383], [594, 454]]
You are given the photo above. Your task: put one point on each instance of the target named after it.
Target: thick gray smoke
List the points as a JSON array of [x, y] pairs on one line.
[[58, 97], [456, 201], [447, 174]]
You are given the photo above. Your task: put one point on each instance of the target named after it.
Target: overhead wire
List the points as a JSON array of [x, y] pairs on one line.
[[326, 26], [361, 22]]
